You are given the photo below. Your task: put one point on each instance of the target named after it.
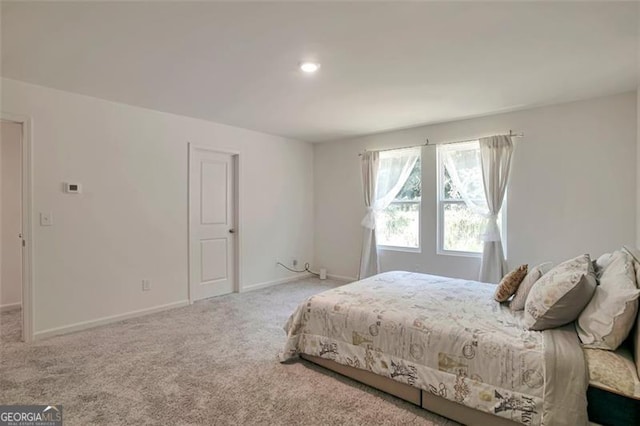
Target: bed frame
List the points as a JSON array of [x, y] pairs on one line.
[[426, 400], [605, 407]]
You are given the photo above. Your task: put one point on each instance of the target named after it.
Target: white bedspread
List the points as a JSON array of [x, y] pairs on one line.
[[448, 337]]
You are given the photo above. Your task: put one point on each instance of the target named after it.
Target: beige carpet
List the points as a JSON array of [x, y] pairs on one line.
[[210, 363]]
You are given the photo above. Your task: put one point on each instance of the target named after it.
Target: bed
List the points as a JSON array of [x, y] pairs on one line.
[[446, 345]]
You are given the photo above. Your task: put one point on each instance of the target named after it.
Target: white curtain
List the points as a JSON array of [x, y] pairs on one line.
[[383, 176], [495, 156], [369, 257], [463, 165]]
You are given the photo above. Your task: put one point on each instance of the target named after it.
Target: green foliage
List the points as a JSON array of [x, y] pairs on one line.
[[462, 229], [398, 225]]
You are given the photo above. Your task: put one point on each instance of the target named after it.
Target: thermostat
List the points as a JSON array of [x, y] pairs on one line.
[[72, 188]]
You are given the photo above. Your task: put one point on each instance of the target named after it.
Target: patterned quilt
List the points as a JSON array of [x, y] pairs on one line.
[[448, 337]]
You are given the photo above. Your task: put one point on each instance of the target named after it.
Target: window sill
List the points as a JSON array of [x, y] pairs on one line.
[[459, 254], [400, 249]]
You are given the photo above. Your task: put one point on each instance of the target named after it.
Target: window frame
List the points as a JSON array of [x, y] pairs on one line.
[[418, 201], [441, 202]]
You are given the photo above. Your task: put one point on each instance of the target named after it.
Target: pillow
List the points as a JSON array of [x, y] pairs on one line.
[[517, 303], [600, 263], [509, 284], [635, 256], [610, 315], [560, 295]]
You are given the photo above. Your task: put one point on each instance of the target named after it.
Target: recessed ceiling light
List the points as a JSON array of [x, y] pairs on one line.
[[309, 67]]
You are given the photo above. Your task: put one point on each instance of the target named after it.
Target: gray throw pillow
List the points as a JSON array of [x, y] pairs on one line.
[[518, 301], [560, 295]]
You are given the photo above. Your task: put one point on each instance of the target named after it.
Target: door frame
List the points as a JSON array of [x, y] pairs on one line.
[[237, 189], [27, 223]]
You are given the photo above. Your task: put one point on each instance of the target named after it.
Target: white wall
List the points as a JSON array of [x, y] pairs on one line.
[[10, 216], [572, 190], [131, 221]]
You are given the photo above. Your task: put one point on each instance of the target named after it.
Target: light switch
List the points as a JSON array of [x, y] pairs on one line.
[[46, 219]]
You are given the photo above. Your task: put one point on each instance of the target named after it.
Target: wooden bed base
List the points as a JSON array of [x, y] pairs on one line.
[[426, 400]]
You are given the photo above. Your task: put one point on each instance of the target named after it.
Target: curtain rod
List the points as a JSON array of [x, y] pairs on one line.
[[427, 143]]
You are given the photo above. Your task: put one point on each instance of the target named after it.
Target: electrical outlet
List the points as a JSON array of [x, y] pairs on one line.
[[146, 285]]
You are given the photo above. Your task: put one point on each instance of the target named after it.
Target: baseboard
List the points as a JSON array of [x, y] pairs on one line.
[[10, 307], [341, 278], [266, 284], [38, 335]]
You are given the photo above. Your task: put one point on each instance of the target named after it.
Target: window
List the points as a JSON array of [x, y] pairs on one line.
[[398, 226], [461, 200]]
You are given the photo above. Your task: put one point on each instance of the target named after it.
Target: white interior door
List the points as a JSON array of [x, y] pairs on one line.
[[212, 223], [10, 215]]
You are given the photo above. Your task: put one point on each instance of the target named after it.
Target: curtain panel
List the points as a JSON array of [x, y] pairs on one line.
[[369, 257], [495, 158], [383, 176]]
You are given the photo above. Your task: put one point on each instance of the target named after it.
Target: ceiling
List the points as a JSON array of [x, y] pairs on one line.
[[384, 65]]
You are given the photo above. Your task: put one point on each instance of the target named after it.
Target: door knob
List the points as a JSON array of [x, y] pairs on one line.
[[232, 231]]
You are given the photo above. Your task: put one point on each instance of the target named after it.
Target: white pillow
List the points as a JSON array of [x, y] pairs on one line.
[[600, 263], [610, 315]]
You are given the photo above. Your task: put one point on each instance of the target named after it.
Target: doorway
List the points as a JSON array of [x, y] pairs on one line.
[[11, 279], [213, 218]]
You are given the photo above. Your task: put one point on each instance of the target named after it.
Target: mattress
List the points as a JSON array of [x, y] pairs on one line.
[[448, 337]]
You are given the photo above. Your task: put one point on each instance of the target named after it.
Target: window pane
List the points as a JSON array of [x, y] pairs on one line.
[[467, 172], [399, 225], [450, 192], [391, 167], [461, 228], [413, 187]]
